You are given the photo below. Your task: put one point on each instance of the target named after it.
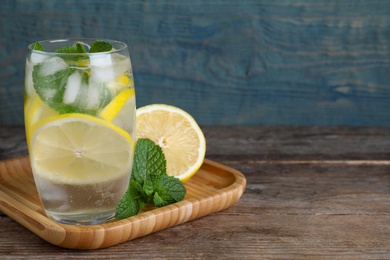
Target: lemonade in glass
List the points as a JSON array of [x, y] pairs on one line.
[[79, 112]]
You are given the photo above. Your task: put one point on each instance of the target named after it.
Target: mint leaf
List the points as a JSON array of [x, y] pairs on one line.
[[158, 201], [149, 160], [53, 76], [131, 202], [150, 181], [100, 46], [168, 191], [78, 48], [51, 80], [38, 47]]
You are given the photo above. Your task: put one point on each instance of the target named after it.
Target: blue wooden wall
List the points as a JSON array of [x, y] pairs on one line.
[[247, 62]]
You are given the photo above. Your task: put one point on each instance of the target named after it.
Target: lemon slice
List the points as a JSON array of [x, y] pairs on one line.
[[34, 110], [121, 110], [177, 133], [120, 83], [79, 149]]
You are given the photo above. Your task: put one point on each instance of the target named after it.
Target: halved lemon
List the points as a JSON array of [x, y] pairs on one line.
[[121, 110], [177, 133], [78, 149]]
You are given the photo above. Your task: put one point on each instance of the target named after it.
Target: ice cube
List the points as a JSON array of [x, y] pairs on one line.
[[37, 57], [122, 64], [52, 65], [72, 88], [29, 79], [93, 98], [100, 60], [102, 74]]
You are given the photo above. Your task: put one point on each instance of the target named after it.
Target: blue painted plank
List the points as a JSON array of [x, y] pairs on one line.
[[226, 62]]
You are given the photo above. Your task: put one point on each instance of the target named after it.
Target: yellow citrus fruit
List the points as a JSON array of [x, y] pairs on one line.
[[34, 110], [77, 148], [120, 83], [177, 133], [117, 111]]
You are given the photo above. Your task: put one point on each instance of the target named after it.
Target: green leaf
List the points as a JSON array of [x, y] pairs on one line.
[[100, 46], [78, 48], [131, 202], [149, 181], [67, 49], [51, 88], [168, 191], [158, 201], [38, 47], [149, 160]]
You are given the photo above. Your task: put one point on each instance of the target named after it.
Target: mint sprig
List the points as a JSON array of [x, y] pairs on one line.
[[149, 182], [97, 46], [51, 87]]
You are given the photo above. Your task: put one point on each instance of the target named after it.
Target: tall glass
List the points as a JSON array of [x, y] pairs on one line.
[[79, 112]]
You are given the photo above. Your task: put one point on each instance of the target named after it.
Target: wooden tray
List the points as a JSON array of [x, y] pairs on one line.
[[213, 188]]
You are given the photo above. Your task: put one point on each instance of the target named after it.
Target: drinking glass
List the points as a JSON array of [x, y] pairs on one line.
[[79, 110]]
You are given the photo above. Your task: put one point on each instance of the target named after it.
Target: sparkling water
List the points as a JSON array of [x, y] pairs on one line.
[[56, 84]]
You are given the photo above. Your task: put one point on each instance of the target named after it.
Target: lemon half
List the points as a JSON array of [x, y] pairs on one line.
[[177, 133]]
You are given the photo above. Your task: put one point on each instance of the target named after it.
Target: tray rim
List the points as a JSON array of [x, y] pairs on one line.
[[68, 236]]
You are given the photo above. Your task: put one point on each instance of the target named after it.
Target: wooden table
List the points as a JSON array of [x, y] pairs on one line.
[[312, 193]]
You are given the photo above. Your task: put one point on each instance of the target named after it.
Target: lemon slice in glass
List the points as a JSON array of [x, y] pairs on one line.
[[177, 133], [34, 110], [117, 111], [78, 149]]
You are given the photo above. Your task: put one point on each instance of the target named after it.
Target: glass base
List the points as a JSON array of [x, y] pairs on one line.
[[81, 219]]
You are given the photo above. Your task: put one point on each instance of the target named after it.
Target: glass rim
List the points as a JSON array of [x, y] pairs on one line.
[[74, 40]]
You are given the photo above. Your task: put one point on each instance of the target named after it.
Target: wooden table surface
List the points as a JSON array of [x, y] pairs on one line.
[[312, 193]]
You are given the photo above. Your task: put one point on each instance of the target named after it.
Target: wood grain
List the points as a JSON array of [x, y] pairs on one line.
[[213, 188], [225, 62], [312, 193]]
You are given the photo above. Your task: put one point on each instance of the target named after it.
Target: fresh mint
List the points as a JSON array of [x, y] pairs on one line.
[[149, 182], [78, 48], [97, 46], [51, 84], [51, 89], [100, 46], [38, 47]]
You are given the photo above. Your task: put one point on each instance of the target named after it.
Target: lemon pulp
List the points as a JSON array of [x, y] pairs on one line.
[[77, 148], [177, 133]]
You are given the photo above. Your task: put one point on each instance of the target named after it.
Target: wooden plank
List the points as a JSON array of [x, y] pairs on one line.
[[300, 212], [226, 62], [264, 143], [331, 205]]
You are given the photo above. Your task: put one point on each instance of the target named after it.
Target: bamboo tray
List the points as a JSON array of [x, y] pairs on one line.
[[213, 188]]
